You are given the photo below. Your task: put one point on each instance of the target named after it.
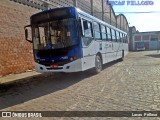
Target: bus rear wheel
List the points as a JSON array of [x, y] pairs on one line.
[[98, 64]]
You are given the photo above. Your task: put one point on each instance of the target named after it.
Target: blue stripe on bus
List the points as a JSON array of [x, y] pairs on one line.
[[71, 53]]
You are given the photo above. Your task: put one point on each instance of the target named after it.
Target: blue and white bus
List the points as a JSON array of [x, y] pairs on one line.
[[70, 40]]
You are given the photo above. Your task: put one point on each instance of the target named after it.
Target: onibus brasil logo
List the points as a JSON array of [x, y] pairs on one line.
[[130, 2]]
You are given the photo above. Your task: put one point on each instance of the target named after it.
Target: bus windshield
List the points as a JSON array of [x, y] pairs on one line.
[[55, 34]]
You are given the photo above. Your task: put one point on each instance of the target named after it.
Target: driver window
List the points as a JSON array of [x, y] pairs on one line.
[[88, 32], [87, 28]]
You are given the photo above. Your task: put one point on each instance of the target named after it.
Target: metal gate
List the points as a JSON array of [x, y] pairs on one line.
[[153, 45]]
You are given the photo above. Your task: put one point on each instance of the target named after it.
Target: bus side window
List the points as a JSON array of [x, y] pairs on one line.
[[113, 35], [109, 34], [118, 37], [97, 33], [126, 38], [121, 40], [103, 31], [123, 37]]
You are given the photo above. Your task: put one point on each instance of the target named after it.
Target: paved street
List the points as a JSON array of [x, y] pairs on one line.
[[131, 85]]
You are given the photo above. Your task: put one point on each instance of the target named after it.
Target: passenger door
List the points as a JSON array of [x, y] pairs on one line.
[[87, 44]]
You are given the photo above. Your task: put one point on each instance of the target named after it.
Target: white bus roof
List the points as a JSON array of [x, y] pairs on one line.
[[98, 20]]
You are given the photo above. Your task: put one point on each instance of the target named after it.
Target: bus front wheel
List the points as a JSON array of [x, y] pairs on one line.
[[98, 64]]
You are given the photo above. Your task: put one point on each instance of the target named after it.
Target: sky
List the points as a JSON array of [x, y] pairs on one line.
[[142, 21]]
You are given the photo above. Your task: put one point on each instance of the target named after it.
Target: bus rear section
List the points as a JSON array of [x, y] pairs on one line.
[[56, 43]]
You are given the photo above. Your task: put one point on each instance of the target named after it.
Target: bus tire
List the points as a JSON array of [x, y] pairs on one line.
[[98, 64], [122, 58]]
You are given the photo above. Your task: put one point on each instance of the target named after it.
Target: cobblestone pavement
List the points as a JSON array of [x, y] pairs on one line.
[[131, 85]]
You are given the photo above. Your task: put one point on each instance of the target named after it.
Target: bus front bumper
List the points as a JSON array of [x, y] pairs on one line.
[[73, 66]]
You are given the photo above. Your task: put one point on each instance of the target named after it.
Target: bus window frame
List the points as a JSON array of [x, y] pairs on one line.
[[121, 37], [83, 34], [108, 28], [97, 31], [81, 25], [126, 38], [118, 37], [105, 39], [113, 34], [90, 22]]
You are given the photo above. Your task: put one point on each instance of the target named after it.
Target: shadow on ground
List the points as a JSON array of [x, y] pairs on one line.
[[23, 90], [154, 55]]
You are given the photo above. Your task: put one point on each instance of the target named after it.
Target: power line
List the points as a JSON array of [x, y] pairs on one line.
[[132, 12], [140, 12]]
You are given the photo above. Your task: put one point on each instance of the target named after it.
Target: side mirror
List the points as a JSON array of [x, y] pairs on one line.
[[26, 28]]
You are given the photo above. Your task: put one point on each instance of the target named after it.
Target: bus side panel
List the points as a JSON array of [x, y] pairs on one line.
[[118, 50], [107, 51], [104, 50], [125, 46], [88, 56], [99, 47]]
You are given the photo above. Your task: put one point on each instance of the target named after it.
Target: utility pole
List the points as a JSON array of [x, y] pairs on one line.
[[120, 22], [116, 22], [123, 24], [110, 10], [75, 3], [102, 11], [110, 14], [91, 7], [158, 42]]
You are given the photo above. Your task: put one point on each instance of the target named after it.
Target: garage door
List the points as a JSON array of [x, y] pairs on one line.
[[153, 45]]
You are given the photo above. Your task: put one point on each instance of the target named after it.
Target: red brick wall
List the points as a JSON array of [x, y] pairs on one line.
[[15, 52]]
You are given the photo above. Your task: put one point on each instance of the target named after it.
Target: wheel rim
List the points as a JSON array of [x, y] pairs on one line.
[[98, 63]]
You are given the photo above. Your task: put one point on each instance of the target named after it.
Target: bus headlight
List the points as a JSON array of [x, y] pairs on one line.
[[73, 58], [37, 60]]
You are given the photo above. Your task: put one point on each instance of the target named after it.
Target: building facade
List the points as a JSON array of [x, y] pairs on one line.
[[132, 30], [150, 40]]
